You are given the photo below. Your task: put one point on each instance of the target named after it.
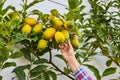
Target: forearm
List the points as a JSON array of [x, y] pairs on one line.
[[73, 63]]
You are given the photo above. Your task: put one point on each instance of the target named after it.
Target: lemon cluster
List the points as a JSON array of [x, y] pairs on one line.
[[58, 31], [31, 25]]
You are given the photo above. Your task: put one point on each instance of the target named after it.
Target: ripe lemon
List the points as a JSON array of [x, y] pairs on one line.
[[68, 25], [66, 34], [26, 29], [49, 33], [30, 21], [57, 23], [37, 28], [75, 42], [42, 44], [59, 37]]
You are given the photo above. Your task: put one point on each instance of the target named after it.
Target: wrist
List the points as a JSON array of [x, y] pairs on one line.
[[74, 64]]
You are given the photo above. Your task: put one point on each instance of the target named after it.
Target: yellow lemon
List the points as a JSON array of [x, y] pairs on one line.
[[59, 37], [26, 29], [30, 21], [49, 33], [78, 33], [68, 25], [51, 16], [37, 28], [66, 34], [42, 44], [56, 22], [75, 42]]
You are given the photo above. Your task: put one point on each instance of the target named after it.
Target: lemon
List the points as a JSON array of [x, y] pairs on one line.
[[37, 28], [42, 44], [75, 42], [68, 25], [56, 22], [66, 34], [49, 33], [30, 21], [59, 37], [26, 29], [80, 35], [51, 16]]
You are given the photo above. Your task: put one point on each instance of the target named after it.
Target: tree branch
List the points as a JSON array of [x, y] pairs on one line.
[[58, 69]]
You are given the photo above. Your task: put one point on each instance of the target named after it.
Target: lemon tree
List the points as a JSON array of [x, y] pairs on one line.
[[40, 35]]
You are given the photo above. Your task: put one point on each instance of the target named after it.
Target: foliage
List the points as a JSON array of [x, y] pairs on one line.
[[99, 33]]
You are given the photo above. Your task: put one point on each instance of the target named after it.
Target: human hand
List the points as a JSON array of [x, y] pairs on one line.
[[67, 50], [68, 54]]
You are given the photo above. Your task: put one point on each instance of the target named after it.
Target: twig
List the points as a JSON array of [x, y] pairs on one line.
[[50, 62]]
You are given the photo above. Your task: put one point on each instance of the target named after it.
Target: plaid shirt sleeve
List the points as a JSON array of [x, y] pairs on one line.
[[81, 74]]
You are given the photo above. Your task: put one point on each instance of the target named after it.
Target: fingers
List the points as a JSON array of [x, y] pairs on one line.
[[63, 46], [67, 45]]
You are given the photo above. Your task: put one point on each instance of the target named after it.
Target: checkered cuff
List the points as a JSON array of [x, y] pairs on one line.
[[81, 74]]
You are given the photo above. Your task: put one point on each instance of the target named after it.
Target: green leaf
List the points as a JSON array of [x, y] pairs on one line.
[[66, 70], [40, 53], [60, 56], [54, 12], [0, 77], [21, 75], [94, 70], [38, 70], [52, 74], [27, 54], [35, 79], [93, 54], [72, 4], [8, 8], [46, 76], [16, 54], [18, 37], [118, 60], [21, 68], [2, 41], [2, 4], [109, 71], [3, 54], [115, 48], [108, 62], [8, 64], [40, 61], [20, 72], [10, 48]]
